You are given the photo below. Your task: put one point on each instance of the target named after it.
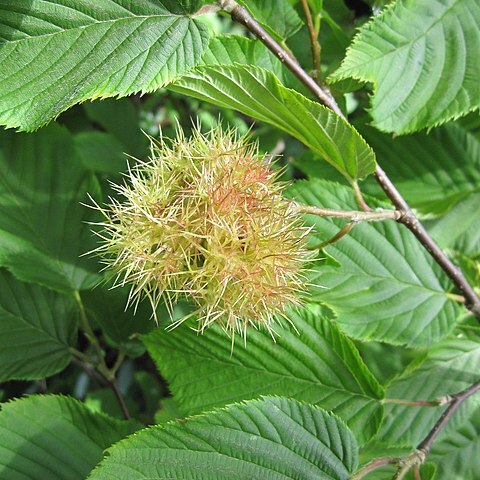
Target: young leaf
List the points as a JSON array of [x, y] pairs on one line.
[[258, 93], [54, 437], [37, 328], [423, 58], [318, 365], [446, 369], [61, 52], [42, 224], [432, 171], [387, 287], [272, 438]]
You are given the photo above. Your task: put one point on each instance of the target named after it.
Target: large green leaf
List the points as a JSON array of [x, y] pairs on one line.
[[446, 369], [55, 438], [42, 224], [271, 439], [318, 365], [258, 93], [423, 57], [37, 328], [387, 287], [432, 171], [57, 53]]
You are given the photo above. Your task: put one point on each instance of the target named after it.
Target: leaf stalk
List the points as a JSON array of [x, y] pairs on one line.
[[354, 216]]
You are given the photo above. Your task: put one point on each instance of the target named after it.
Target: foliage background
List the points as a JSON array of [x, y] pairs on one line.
[[387, 325]]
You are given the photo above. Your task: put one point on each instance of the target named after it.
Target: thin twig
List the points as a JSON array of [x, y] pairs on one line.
[[472, 302], [241, 15], [416, 473], [355, 216], [121, 401], [99, 363], [89, 369], [87, 329], [118, 363], [426, 444], [314, 43], [418, 456], [374, 465], [82, 356]]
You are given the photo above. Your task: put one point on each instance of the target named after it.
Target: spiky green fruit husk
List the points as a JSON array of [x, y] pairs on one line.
[[205, 220]]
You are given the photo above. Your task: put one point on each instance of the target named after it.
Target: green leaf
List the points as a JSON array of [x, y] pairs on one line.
[[318, 365], [100, 152], [106, 114], [120, 325], [42, 224], [446, 369], [271, 438], [37, 329], [278, 17], [458, 229], [258, 93], [457, 454], [423, 58], [387, 287], [61, 52], [432, 171], [231, 49], [54, 437]]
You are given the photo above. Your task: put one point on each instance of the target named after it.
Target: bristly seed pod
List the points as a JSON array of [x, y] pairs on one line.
[[205, 220]]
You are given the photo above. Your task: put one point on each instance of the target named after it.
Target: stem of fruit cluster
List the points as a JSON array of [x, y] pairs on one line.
[[354, 216], [242, 16]]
